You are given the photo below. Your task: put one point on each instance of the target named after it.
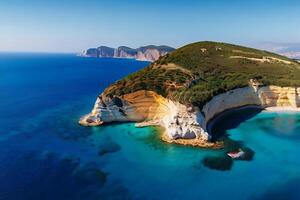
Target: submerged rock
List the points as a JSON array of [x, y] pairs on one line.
[[222, 163], [90, 173], [109, 148]]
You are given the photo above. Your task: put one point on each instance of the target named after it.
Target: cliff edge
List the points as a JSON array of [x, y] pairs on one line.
[[184, 90]]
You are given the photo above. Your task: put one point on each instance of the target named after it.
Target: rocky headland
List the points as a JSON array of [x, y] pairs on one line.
[[146, 53], [183, 100]]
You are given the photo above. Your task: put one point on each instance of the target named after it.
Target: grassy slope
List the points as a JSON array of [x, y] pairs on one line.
[[205, 69]]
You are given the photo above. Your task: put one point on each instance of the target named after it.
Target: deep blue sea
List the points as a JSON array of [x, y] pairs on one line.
[[45, 154]]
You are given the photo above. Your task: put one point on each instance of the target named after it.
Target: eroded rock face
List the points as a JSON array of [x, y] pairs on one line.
[[266, 96], [181, 121], [279, 96], [177, 119], [137, 106], [150, 54]]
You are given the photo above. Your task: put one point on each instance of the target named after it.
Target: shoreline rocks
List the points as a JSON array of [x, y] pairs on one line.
[[182, 124]]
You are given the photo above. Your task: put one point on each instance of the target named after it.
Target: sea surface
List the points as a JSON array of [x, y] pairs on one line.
[[45, 154]]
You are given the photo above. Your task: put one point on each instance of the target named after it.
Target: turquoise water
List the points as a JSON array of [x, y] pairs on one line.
[[45, 154]]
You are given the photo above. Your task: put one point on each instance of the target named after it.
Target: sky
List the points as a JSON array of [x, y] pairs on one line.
[[74, 25]]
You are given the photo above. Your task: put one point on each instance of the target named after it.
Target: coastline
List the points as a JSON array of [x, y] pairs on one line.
[[183, 125], [275, 109], [281, 109], [214, 145], [192, 142], [211, 122], [196, 142]]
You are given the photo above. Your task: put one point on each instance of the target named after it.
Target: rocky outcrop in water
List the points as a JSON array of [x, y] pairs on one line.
[[147, 53]]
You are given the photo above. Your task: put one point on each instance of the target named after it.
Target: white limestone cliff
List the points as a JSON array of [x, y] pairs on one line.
[[151, 109], [183, 124], [265, 96]]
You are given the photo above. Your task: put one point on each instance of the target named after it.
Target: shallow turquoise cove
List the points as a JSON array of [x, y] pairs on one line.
[[45, 154]]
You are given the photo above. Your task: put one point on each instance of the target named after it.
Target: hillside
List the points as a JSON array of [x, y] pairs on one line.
[[195, 73]]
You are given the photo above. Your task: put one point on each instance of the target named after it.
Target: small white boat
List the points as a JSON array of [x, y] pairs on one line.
[[236, 154]]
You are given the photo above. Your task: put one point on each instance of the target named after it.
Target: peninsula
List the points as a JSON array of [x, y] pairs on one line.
[[183, 90], [146, 53]]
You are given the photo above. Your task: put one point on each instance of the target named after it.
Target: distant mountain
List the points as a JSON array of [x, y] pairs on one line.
[[291, 50], [291, 54], [148, 53]]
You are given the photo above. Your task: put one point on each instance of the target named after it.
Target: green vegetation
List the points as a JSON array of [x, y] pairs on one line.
[[195, 73]]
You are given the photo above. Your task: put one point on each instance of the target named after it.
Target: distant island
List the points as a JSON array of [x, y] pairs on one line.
[[291, 50], [147, 53], [185, 89]]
